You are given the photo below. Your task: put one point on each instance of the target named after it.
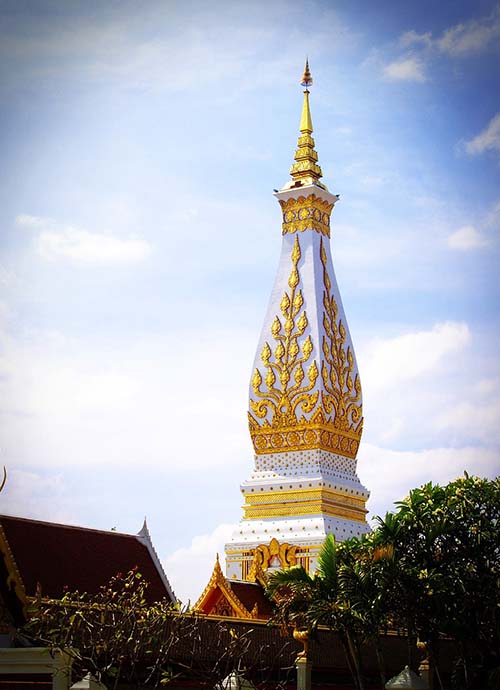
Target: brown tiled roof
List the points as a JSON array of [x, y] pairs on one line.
[[251, 593], [61, 557]]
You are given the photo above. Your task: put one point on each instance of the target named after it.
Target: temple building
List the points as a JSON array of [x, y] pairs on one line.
[[305, 404], [41, 561]]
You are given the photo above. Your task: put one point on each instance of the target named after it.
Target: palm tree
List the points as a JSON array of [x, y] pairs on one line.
[[306, 601]]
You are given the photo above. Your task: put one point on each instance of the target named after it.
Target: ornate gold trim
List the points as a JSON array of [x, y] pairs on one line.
[[304, 495], [306, 213], [315, 434], [264, 512], [253, 565]]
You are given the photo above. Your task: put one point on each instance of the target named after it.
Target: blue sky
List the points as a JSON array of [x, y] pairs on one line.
[[139, 240]]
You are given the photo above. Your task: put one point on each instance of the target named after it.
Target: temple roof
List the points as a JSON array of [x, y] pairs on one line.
[[54, 558], [233, 598], [251, 595]]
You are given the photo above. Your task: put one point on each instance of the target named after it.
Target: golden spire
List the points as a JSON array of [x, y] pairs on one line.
[[306, 170], [306, 125]]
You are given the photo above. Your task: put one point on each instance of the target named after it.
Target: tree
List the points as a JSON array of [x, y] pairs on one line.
[[431, 569], [338, 595], [446, 570], [119, 638], [114, 634]]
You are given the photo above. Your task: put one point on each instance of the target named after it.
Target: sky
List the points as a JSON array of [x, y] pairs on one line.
[[139, 238]]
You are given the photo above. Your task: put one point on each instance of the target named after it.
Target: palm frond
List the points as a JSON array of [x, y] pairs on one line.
[[294, 578], [328, 564]]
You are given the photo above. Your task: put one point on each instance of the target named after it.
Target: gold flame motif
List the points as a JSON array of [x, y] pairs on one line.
[[342, 392], [289, 360], [286, 386]]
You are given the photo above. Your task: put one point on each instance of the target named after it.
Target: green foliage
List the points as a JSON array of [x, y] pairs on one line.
[[446, 573], [122, 640], [430, 569], [113, 634]]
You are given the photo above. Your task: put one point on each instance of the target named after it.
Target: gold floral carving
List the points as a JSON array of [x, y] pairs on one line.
[[306, 213], [285, 391], [342, 393], [284, 379]]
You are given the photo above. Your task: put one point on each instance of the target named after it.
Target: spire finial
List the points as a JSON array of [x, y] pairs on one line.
[[306, 168], [306, 125], [306, 77]]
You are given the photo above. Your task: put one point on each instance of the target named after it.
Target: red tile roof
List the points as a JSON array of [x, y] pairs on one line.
[[61, 557], [251, 593]]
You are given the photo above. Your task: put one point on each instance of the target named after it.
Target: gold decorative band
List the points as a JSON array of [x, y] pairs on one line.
[[304, 502], [308, 436], [305, 495], [306, 213], [307, 508]]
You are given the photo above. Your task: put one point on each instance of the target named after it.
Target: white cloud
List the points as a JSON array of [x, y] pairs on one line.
[[391, 361], [487, 386], [493, 216], [406, 69], [466, 238], [487, 140], [31, 495], [197, 48], [55, 241], [34, 222], [412, 38], [88, 247], [390, 474], [189, 568], [481, 421], [157, 399], [477, 411], [466, 38], [470, 37]]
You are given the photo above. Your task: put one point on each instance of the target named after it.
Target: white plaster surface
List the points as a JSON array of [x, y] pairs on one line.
[[297, 470]]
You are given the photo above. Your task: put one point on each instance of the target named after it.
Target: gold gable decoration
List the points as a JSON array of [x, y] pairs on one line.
[[269, 555], [228, 603], [335, 422]]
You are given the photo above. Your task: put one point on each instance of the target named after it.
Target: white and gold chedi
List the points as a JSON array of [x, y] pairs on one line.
[[305, 407]]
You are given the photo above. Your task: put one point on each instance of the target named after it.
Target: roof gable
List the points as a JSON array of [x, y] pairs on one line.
[[225, 597], [55, 558]]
